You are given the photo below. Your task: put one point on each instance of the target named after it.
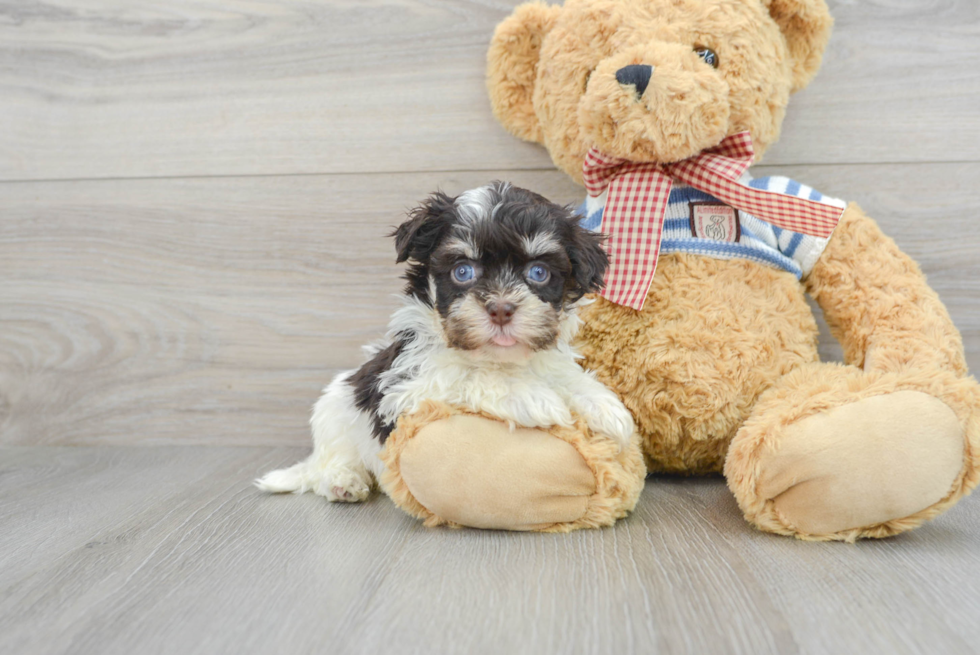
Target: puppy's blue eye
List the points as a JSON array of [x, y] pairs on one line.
[[538, 274], [708, 56], [464, 273]]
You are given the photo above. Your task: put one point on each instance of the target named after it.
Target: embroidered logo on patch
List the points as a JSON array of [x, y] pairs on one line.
[[715, 221]]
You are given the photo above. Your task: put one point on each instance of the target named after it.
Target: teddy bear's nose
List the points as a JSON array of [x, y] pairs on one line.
[[635, 74]]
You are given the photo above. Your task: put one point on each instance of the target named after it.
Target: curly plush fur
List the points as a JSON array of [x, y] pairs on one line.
[[720, 368], [690, 390]]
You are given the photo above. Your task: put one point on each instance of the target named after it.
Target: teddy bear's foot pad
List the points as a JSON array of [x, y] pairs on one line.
[[859, 465], [478, 473]]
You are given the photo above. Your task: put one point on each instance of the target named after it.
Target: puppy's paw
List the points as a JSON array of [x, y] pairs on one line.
[[540, 409], [608, 416], [344, 485]]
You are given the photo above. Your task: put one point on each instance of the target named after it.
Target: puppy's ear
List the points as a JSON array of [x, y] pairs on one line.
[[589, 260], [418, 237]]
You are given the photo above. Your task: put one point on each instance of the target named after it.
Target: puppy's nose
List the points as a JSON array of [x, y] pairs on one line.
[[501, 312], [635, 74]]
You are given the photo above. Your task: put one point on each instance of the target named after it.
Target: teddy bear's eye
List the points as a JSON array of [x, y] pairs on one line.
[[708, 55]]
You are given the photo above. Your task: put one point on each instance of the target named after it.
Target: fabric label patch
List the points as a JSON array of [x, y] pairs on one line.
[[715, 221]]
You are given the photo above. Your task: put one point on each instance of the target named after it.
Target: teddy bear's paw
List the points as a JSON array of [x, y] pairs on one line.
[[344, 485], [479, 472], [883, 458]]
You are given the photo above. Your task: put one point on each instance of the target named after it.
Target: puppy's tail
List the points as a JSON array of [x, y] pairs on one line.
[[297, 479]]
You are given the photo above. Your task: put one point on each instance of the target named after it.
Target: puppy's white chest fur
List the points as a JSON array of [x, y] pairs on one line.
[[537, 392], [522, 393]]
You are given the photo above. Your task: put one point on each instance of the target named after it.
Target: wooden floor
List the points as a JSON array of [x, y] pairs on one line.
[[193, 201], [119, 549]]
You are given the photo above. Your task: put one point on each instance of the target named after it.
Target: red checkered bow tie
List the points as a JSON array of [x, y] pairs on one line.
[[637, 203]]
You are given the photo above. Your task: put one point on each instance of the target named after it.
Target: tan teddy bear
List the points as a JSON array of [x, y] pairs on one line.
[[716, 355]]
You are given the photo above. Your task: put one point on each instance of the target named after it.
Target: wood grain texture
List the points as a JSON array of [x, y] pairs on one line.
[[214, 310], [172, 552], [115, 89]]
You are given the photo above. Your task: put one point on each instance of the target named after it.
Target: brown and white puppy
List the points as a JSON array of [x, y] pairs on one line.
[[495, 279]]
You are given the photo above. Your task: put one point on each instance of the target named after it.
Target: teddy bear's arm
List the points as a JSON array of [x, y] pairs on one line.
[[878, 305]]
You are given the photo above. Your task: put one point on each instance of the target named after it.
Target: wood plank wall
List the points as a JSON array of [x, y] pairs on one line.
[[194, 196]]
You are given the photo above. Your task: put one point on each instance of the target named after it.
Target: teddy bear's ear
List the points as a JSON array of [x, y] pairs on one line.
[[806, 25], [512, 65]]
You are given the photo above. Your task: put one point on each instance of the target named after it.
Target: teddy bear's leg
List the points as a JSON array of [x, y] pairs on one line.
[[467, 470], [877, 446], [832, 452]]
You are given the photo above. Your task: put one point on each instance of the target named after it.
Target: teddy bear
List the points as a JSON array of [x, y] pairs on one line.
[[658, 107]]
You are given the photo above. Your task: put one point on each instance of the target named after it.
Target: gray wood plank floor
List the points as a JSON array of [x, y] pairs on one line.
[[168, 550], [193, 202]]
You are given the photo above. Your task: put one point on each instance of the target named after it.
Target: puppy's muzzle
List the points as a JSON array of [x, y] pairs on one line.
[[501, 313]]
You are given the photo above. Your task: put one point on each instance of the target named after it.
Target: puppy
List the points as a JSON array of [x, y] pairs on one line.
[[495, 279]]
